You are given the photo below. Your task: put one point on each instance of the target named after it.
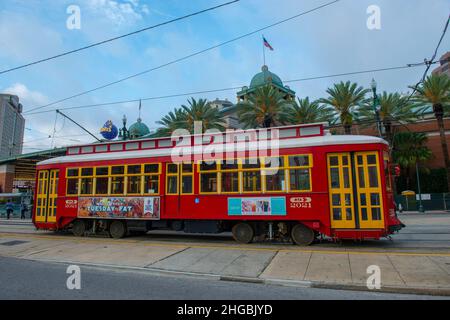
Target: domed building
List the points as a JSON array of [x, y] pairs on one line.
[[265, 77], [138, 129]]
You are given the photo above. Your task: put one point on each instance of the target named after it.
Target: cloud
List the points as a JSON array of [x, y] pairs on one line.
[[26, 96], [120, 12]]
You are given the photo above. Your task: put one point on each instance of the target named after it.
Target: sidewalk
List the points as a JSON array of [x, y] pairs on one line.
[[406, 272], [15, 220], [424, 213]]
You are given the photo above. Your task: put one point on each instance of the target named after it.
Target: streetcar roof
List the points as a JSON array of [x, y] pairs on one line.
[[327, 140]]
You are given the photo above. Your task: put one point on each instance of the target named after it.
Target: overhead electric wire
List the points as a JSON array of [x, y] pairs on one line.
[[185, 57], [228, 89], [118, 37]]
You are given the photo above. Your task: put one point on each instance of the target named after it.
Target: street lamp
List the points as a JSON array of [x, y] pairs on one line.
[[421, 209], [376, 105], [123, 133]]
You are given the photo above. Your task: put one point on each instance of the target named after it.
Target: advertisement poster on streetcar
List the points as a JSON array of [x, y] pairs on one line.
[[111, 207], [257, 206]]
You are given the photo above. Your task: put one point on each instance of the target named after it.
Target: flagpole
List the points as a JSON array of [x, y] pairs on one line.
[[264, 51]]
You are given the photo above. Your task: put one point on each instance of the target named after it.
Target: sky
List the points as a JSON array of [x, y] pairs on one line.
[[334, 39]]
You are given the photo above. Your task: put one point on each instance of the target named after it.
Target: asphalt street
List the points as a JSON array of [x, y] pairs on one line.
[[25, 279]]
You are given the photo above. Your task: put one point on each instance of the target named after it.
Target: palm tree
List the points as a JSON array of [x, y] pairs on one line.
[[201, 110], [305, 111], [343, 97], [264, 108], [394, 108], [173, 120], [435, 90], [409, 148]]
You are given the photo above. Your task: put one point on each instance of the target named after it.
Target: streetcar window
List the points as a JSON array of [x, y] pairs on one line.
[[72, 172], [86, 186], [72, 186], [187, 168], [251, 163], [87, 172], [117, 170], [101, 185], [275, 180], [251, 181], [300, 173], [387, 172], [373, 177], [172, 178], [151, 178], [186, 184], [230, 182], [172, 168], [172, 184], [117, 185], [187, 178], [230, 178], [134, 169], [208, 165], [231, 164], [299, 180], [134, 185], [298, 161], [361, 177], [151, 168], [151, 184], [101, 171], [274, 162], [208, 182]]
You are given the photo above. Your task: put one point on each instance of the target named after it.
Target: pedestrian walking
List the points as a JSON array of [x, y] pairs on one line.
[[23, 210], [9, 208]]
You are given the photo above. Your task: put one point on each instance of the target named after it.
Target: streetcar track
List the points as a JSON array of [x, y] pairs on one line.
[[243, 247]]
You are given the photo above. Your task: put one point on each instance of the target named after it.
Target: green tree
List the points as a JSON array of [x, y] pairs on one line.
[[186, 116], [305, 111], [201, 110], [264, 108], [344, 97], [409, 148], [173, 120], [394, 108], [435, 91]]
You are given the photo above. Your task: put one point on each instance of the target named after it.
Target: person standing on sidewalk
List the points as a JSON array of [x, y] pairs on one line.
[[23, 209], [9, 208]]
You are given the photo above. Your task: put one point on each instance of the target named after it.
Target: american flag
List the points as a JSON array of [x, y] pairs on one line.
[[267, 44]]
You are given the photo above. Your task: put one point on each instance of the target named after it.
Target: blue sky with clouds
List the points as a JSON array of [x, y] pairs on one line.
[[332, 40]]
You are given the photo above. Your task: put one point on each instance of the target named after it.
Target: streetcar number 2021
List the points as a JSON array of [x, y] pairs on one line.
[[301, 202]]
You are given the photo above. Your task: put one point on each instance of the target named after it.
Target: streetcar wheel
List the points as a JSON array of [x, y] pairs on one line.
[[243, 232], [78, 228], [117, 229], [302, 235]]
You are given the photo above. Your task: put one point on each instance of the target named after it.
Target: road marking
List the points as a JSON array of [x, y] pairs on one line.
[[224, 247]]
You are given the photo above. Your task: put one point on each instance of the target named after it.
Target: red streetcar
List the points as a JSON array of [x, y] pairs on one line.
[[295, 182]]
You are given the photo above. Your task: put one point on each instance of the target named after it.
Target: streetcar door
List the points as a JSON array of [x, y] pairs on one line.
[[369, 194], [341, 191], [47, 193]]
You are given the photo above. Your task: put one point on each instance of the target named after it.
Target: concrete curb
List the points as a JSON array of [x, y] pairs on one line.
[[442, 291]]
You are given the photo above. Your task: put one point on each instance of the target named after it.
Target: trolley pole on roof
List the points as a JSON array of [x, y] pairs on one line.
[[67, 117]]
